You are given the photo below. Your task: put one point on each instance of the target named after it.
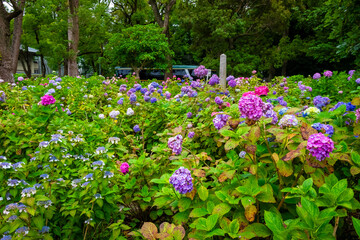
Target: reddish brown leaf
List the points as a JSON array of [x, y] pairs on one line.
[[149, 230], [307, 131], [191, 194], [250, 149], [234, 123], [295, 153], [226, 175], [199, 173]]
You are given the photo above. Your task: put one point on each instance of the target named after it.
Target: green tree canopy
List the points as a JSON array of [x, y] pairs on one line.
[[138, 47]]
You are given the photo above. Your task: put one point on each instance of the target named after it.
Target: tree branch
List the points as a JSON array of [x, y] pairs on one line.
[[157, 14], [17, 11]]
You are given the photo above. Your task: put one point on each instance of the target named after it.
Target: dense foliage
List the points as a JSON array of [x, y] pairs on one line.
[[89, 158], [275, 37]]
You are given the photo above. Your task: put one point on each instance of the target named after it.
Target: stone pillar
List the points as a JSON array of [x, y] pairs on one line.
[[222, 71]]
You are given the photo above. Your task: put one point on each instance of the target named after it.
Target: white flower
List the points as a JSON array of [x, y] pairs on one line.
[[101, 116], [119, 94], [114, 114], [130, 112]]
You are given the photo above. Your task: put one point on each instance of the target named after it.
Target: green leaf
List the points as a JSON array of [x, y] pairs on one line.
[[203, 193], [355, 157], [356, 223], [234, 226], [198, 212], [211, 222], [38, 221], [184, 204], [221, 209], [231, 144], [256, 230], [307, 184], [267, 194], [339, 187], [274, 222], [228, 133], [216, 232]]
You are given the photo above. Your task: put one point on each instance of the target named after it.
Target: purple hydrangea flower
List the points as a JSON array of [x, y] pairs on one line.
[[251, 106], [191, 134], [320, 146], [218, 101], [317, 76], [328, 73], [133, 97], [229, 78], [220, 121], [214, 80], [189, 115], [271, 114], [232, 83], [182, 180], [321, 102], [201, 71], [153, 100], [136, 128], [175, 144]]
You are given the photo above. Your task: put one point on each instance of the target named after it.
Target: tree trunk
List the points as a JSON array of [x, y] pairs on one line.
[[6, 60], [25, 62], [43, 68], [165, 24], [73, 37], [137, 73], [66, 69], [17, 37]]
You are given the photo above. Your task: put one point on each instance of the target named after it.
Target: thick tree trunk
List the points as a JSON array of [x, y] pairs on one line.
[[43, 68], [66, 69], [283, 68], [24, 59], [165, 24], [6, 54], [17, 37], [73, 37]]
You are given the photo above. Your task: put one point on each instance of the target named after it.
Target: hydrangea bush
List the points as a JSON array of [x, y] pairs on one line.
[[96, 158]]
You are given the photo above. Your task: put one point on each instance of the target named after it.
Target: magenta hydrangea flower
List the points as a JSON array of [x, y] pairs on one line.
[[175, 144], [182, 180], [320, 146], [124, 168], [357, 113], [328, 73], [47, 100], [251, 106]]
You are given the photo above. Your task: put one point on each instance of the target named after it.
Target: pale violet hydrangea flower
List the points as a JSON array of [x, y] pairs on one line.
[[130, 112]]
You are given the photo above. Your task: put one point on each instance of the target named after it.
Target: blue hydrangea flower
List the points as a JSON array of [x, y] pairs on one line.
[[182, 180]]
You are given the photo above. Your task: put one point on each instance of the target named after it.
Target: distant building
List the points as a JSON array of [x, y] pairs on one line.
[[30, 62]]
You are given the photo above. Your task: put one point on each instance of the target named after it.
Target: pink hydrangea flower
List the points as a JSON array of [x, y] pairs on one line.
[[124, 168], [248, 93], [47, 100], [262, 90], [320, 146], [251, 106], [357, 113]]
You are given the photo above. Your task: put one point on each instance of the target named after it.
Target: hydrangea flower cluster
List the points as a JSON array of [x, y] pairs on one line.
[[328, 73], [218, 101], [229, 78], [316, 76], [262, 90], [232, 83], [47, 100], [182, 180], [124, 168], [114, 114], [189, 115], [357, 113], [288, 121], [136, 128], [175, 144], [271, 114], [311, 111], [320, 146], [214, 80], [328, 128], [201, 71], [191, 134], [251, 106], [321, 102], [220, 121]]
